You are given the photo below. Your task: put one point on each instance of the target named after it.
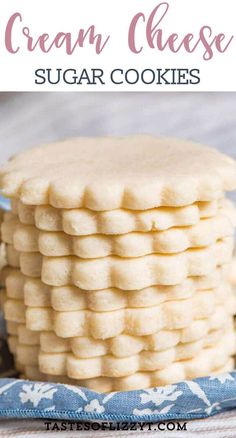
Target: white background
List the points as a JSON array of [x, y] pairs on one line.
[[113, 18]]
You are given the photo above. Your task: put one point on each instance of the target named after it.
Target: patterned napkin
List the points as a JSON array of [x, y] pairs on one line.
[[186, 400]]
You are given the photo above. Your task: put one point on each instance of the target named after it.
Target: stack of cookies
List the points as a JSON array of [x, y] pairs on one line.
[[118, 256]]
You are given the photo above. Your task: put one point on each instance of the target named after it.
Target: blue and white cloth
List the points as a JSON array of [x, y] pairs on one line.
[[186, 400]]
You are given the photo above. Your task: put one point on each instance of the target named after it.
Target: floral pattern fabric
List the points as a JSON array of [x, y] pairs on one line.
[[186, 400]]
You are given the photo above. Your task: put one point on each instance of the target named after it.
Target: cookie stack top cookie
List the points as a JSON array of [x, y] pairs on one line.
[[136, 173]]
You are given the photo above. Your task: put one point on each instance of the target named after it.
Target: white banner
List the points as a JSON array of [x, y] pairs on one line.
[[125, 45]]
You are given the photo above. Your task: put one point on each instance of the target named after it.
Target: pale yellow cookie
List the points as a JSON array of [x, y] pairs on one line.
[[106, 384], [140, 380], [143, 380], [70, 298], [130, 274], [14, 286], [26, 352], [79, 222], [27, 238], [103, 325], [109, 366], [136, 172], [22, 343], [126, 345]]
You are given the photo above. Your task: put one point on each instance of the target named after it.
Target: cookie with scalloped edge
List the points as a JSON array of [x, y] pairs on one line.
[[112, 271], [70, 298], [82, 221], [39, 314], [27, 352], [135, 382], [125, 274], [26, 349], [23, 343], [106, 173], [130, 274], [109, 366], [27, 238], [24, 335], [143, 380], [209, 329], [171, 315]]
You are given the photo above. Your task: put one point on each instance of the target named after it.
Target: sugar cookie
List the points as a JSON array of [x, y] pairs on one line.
[[130, 274], [27, 238], [103, 325], [144, 380], [108, 366], [106, 384], [81, 221], [127, 345], [71, 298], [135, 172]]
